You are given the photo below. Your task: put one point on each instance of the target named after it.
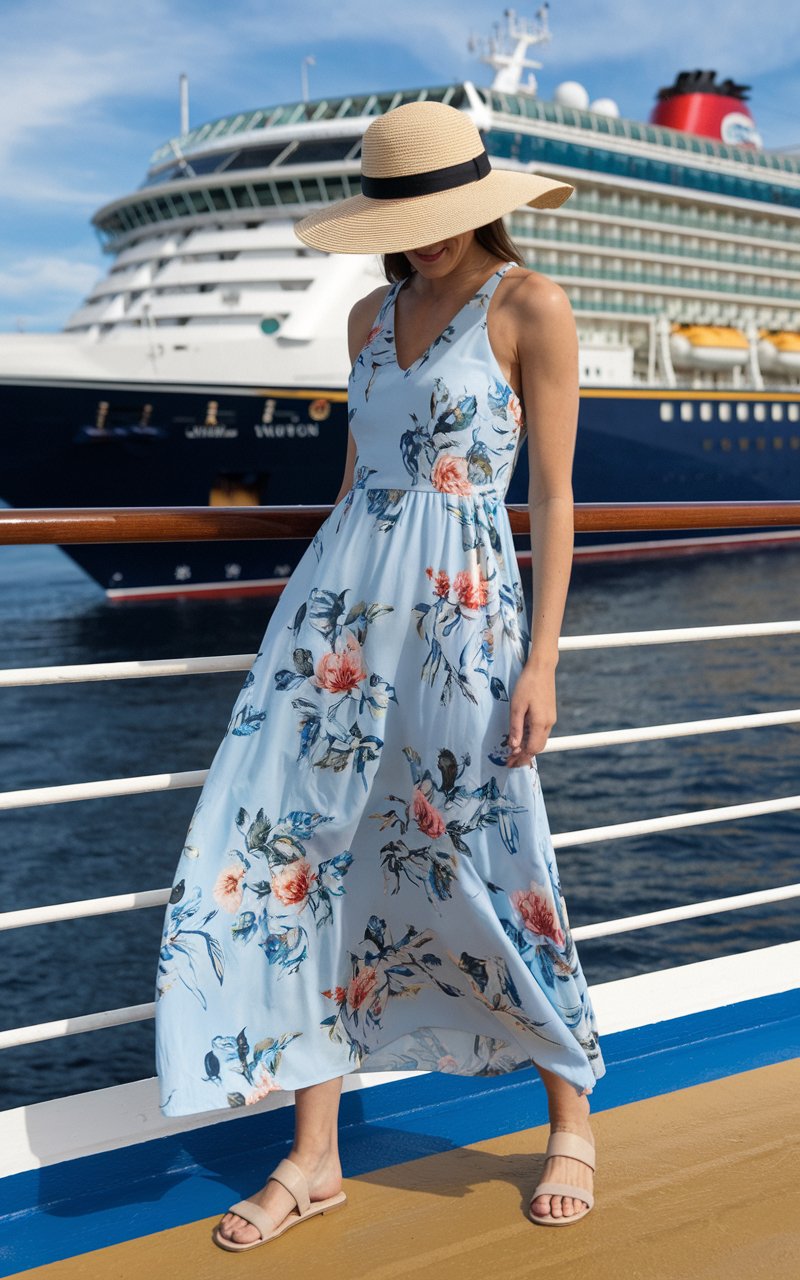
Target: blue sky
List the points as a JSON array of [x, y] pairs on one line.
[[89, 88]]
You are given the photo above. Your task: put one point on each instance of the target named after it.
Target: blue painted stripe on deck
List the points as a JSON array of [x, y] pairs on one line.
[[100, 1200]]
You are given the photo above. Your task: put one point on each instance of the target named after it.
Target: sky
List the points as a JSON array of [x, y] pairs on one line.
[[89, 89]]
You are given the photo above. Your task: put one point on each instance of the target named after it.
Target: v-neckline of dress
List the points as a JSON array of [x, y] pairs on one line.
[[450, 323]]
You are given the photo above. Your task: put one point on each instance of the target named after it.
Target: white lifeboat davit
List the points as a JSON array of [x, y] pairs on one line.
[[779, 352], [707, 346]]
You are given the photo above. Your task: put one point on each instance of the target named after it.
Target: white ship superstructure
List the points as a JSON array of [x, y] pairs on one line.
[[210, 364], [666, 228]]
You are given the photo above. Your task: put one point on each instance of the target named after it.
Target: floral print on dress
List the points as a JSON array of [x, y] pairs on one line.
[[336, 684], [365, 885]]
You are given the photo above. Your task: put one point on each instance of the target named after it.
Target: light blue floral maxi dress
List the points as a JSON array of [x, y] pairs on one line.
[[366, 885]]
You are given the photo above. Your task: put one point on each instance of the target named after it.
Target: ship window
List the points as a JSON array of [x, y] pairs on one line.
[[706, 411], [761, 442], [256, 157], [777, 442], [793, 412], [742, 411], [320, 149], [744, 443], [777, 412], [264, 193], [666, 410], [760, 412], [219, 197], [243, 197], [238, 489], [207, 164], [687, 411], [724, 412], [794, 442], [725, 444]]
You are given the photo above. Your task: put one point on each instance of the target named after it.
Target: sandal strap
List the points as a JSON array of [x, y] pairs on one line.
[[254, 1213], [564, 1143], [290, 1176], [563, 1189]]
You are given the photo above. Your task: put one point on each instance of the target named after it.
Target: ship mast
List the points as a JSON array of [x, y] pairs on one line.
[[506, 48]]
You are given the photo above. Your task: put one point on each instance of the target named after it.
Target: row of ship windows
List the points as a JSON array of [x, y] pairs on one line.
[[726, 412], [759, 442]]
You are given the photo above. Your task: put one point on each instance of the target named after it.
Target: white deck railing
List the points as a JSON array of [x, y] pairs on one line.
[[37, 796]]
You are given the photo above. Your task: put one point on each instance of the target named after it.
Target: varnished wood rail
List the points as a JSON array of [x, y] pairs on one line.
[[28, 525]]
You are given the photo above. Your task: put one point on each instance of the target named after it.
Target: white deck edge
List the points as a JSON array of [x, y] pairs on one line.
[[47, 1133]]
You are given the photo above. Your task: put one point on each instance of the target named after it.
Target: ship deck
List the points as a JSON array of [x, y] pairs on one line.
[[697, 1183]]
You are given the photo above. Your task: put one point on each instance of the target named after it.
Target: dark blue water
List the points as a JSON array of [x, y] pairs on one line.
[[49, 613]]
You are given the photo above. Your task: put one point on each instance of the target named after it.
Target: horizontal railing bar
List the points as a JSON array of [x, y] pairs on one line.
[[676, 729], [79, 673], [675, 821], [691, 911], [89, 907], [38, 1032], [67, 792], [76, 1026], [191, 524], [679, 635], [57, 911], [84, 673]]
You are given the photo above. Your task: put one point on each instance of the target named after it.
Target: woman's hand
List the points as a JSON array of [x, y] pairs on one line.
[[533, 713]]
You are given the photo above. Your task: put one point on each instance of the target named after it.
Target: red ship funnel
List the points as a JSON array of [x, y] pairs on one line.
[[695, 103]]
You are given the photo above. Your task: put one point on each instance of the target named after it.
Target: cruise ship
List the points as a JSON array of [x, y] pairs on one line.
[[209, 365]]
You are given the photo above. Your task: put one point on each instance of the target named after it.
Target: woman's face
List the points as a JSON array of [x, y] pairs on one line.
[[436, 260]]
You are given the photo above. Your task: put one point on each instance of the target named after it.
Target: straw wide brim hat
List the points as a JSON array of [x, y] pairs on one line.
[[425, 176]]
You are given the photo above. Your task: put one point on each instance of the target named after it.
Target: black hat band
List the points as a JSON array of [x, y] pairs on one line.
[[426, 184]]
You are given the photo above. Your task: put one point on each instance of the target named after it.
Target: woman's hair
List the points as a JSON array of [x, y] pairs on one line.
[[493, 237]]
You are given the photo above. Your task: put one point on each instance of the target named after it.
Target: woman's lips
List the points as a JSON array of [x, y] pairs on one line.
[[430, 257]]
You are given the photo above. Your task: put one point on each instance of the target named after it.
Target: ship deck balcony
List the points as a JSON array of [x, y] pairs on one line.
[[693, 1120]]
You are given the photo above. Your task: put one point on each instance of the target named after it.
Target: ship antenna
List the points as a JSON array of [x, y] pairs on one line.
[[506, 48], [184, 95]]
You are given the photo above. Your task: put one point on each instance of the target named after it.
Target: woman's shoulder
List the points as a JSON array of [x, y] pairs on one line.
[[366, 308], [529, 295]]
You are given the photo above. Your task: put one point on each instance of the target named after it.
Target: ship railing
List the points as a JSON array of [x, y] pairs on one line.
[[187, 524]]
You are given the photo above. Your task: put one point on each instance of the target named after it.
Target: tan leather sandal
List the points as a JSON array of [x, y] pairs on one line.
[[294, 1180], [564, 1143]]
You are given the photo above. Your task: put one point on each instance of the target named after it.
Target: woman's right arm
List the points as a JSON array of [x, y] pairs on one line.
[[359, 323]]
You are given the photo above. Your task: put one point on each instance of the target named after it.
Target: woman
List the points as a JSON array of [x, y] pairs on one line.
[[371, 852]]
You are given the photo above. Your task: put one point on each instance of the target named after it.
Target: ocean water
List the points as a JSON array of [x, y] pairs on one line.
[[50, 613]]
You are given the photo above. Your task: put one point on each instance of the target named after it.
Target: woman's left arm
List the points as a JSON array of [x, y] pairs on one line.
[[547, 346]]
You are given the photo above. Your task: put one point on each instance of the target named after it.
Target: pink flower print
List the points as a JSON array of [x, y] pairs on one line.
[[428, 819], [291, 884], [339, 994], [449, 474], [373, 333], [447, 1063], [537, 913], [227, 889], [341, 672], [472, 588], [361, 987], [515, 409], [441, 585], [265, 1085]]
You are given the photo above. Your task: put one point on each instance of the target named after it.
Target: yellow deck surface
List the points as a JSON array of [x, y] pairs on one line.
[[699, 1184]]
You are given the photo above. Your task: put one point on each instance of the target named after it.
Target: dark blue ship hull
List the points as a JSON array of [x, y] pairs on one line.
[[138, 445]]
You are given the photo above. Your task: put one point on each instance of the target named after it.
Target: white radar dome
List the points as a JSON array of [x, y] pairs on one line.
[[605, 107], [571, 94]]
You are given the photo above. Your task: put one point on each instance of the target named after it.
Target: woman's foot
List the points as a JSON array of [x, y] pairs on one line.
[[324, 1174], [566, 1169]]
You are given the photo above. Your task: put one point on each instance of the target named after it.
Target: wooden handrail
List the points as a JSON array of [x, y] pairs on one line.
[[28, 525]]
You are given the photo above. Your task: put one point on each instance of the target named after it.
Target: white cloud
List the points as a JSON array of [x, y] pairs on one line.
[[46, 274]]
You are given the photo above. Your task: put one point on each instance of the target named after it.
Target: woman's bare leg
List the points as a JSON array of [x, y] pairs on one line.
[[568, 1110], [315, 1150]]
